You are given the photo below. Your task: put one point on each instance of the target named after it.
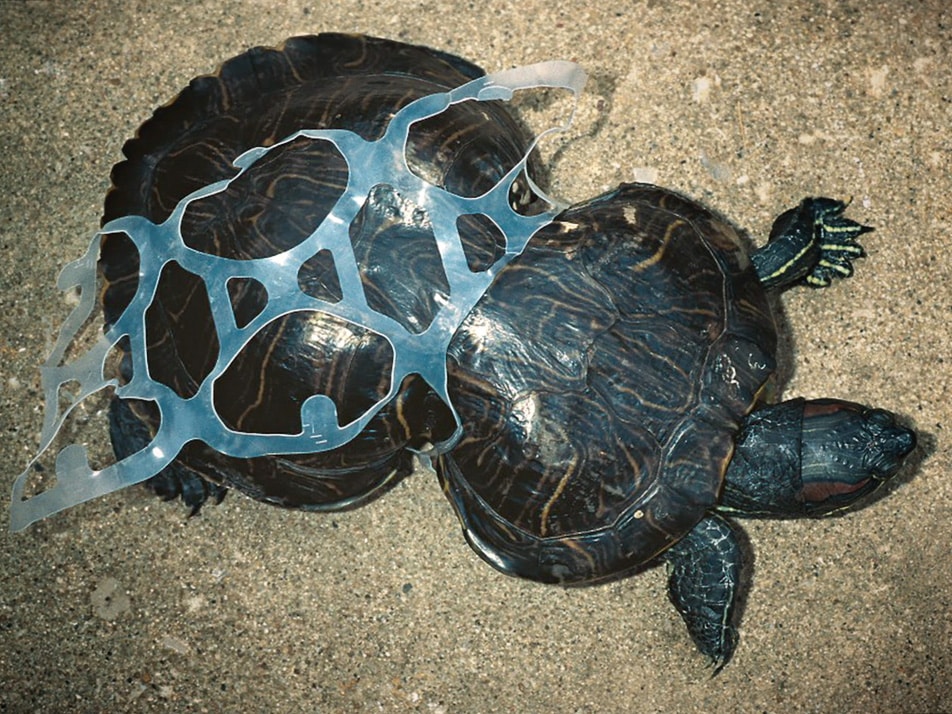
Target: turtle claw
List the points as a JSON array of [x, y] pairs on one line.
[[836, 236], [717, 664], [811, 244], [177, 483]]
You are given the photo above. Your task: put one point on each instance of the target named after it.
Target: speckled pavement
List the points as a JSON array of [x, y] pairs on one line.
[[122, 604]]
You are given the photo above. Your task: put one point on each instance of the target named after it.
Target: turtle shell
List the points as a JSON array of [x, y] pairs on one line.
[[602, 381], [259, 99]]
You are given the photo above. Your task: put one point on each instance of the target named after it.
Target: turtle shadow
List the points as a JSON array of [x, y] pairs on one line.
[[603, 86]]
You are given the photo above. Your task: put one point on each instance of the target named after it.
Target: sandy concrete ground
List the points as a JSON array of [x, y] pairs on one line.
[[123, 605]]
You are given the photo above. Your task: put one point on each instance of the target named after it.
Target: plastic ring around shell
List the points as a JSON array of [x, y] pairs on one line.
[[381, 162]]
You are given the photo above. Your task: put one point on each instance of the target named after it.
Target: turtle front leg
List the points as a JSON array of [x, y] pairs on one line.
[[703, 574], [809, 458], [811, 244]]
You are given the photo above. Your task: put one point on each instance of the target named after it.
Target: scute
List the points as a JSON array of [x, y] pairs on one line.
[[604, 376], [175, 357], [392, 240], [244, 222]]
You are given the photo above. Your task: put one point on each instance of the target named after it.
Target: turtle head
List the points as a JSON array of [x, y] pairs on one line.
[[848, 451], [812, 457]]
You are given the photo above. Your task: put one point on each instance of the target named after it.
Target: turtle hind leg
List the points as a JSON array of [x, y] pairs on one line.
[[703, 576], [129, 435], [811, 244], [172, 482]]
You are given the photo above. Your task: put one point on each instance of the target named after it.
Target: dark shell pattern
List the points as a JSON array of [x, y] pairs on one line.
[[602, 380]]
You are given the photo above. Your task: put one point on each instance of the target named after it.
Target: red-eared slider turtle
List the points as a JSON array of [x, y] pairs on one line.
[[613, 385]]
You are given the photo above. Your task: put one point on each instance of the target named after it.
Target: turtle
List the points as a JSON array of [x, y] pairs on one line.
[[614, 392]]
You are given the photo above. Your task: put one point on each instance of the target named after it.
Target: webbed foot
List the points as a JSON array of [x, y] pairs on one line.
[[810, 244]]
